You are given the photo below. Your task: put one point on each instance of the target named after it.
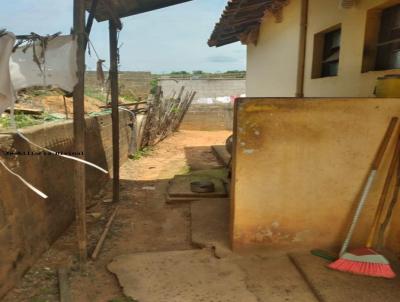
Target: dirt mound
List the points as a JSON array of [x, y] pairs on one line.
[[55, 104]]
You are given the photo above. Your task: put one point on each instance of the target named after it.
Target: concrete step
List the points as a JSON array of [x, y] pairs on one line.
[[222, 154], [333, 286]]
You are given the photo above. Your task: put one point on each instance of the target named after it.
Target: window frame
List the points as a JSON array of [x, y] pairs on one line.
[[323, 57], [388, 38], [373, 39]]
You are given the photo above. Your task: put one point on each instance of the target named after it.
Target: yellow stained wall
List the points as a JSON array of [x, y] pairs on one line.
[[300, 166], [272, 64]]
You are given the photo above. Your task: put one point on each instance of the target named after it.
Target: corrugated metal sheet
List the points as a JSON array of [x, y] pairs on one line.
[[125, 8]]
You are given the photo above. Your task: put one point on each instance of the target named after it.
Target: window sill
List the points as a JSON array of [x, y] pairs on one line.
[[325, 77], [396, 71]]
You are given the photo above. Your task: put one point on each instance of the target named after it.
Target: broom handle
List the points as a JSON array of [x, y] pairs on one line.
[[375, 165], [389, 213], [383, 197]]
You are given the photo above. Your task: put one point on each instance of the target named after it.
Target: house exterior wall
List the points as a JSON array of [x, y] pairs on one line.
[[272, 64], [299, 168]]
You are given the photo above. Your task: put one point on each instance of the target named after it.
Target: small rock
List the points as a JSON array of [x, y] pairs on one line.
[[95, 215], [148, 188]]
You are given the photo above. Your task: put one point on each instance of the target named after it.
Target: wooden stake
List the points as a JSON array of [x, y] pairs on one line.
[[79, 131], [104, 234], [65, 107], [63, 285], [114, 106]]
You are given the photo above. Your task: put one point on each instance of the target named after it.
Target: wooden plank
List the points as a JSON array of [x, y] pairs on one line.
[[104, 234], [125, 104], [114, 106], [79, 131], [63, 285], [127, 8], [30, 111], [114, 17]]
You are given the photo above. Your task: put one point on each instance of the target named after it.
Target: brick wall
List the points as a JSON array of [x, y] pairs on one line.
[[30, 224]]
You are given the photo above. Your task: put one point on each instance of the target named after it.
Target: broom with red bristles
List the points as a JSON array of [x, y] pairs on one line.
[[365, 261]]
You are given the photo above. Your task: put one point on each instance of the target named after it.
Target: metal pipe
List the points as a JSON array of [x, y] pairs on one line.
[[302, 49]]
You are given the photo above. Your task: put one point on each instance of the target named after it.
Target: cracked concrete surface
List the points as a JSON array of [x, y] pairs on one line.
[[181, 276]]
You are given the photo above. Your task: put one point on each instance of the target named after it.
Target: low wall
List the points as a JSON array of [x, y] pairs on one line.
[[30, 224], [208, 117], [130, 82], [299, 168], [205, 88]]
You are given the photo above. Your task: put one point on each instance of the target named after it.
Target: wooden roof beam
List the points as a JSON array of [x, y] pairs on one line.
[[113, 14]]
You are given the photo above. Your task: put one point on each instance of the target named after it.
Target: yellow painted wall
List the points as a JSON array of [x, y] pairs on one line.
[[300, 166], [272, 64]]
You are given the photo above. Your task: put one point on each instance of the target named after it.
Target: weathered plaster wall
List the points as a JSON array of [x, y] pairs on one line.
[[209, 117], [299, 169], [272, 64], [30, 224]]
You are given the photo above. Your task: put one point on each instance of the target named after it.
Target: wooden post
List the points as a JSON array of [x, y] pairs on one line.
[[79, 130], [90, 20], [63, 285], [114, 106]]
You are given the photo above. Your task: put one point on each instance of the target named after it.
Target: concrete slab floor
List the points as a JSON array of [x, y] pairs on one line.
[[210, 224], [197, 275]]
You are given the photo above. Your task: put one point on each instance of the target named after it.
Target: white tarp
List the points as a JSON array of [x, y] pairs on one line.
[[7, 96], [29, 66], [58, 67]]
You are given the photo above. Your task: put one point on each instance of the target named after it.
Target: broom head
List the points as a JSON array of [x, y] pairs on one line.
[[364, 261]]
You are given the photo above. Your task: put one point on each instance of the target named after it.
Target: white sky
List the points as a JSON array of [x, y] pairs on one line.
[[165, 40]]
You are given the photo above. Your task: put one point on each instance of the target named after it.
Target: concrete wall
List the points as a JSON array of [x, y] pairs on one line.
[[210, 88], [299, 167], [30, 224], [272, 64], [209, 117], [136, 83]]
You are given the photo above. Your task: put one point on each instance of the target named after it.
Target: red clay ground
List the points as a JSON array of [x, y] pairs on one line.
[[144, 222]]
